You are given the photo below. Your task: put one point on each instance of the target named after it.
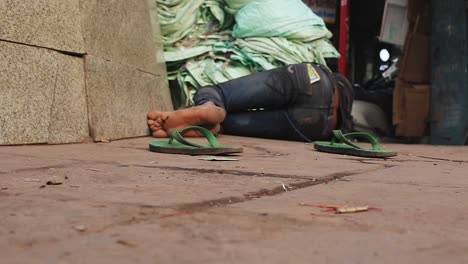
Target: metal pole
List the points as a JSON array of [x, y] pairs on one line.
[[343, 45], [449, 102]]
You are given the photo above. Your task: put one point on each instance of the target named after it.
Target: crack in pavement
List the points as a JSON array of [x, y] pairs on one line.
[[70, 164], [67, 163], [149, 212], [146, 213], [377, 162], [308, 181], [442, 159], [42, 168], [415, 184], [204, 205], [221, 171]]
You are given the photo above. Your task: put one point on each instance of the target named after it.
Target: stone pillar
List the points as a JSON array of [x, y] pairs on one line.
[[449, 106]]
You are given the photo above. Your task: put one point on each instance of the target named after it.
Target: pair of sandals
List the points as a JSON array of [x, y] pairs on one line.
[[339, 144]]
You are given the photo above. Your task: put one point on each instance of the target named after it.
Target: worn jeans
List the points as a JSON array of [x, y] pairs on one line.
[[277, 104]]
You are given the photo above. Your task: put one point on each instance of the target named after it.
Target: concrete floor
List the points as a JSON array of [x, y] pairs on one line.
[[119, 203]]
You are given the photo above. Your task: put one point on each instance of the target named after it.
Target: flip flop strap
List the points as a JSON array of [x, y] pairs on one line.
[[177, 135], [344, 139]]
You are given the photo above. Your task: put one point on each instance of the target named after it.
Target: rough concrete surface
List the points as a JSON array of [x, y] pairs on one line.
[[121, 32], [119, 98], [54, 24], [119, 203], [42, 96]]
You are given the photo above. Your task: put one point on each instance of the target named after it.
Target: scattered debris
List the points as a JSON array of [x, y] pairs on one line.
[[31, 180], [175, 215], [42, 186], [126, 243], [348, 210], [339, 209], [213, 158], [80, 228], [53, 182], [105, 141], [285, 187]]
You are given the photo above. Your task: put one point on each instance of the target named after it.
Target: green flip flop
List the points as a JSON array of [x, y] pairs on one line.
[[182, 146], [340, 144]]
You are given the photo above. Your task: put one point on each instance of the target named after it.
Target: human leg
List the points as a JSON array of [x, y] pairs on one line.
[[269, 90], [272, 124]]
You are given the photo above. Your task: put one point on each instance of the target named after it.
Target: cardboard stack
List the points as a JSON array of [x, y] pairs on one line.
[[411, 99]]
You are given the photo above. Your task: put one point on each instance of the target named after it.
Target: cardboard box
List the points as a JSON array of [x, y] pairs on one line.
[[417, 8], [394, 22], [411, 107], [411, 96], [415, 64], [398, 104]]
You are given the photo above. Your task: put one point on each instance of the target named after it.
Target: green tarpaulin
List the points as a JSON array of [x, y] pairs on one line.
[[212, 41]]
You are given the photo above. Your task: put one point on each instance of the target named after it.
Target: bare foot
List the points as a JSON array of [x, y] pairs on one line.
[[207, 115]]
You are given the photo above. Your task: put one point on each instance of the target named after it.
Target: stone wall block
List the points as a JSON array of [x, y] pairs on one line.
[[33, 82], [120, 31], [69, 114], [54, 24], [119, 98]]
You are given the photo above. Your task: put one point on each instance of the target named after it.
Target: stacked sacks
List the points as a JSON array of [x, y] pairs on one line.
[[204, 46], [291, 19], [182, 21], [232, 6]]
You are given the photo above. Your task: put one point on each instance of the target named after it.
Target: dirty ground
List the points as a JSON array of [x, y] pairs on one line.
[[119, 203]]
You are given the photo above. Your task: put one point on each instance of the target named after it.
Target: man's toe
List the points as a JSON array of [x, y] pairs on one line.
[[152, 115]]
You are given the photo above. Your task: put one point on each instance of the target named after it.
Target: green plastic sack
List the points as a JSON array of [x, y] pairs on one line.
[[232, 6], [290, 19]]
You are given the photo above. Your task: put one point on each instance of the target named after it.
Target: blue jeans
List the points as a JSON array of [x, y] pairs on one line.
[[277, 104]]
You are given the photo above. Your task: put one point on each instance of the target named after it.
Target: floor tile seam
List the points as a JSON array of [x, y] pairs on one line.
[[361, 180]]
